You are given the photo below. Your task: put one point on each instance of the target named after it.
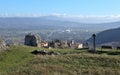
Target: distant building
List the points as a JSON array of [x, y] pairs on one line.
[[44, 44], [72, 42], [80, 46], [64, 44], [76, 46], [58, 44]]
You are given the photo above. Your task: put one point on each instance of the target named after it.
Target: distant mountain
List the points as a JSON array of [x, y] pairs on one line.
[[107, 36], [50, 27], [83, 18], [51, 22], [73, 18]]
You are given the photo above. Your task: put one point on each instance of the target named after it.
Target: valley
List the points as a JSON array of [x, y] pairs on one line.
[[14, 29]]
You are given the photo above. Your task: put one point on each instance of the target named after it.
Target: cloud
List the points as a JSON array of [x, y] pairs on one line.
[[89, 18], [69, 17], [59, 15]]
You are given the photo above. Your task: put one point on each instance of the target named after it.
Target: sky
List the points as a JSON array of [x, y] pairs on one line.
[[71, 7]]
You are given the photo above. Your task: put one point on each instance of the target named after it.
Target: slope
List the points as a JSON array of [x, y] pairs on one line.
[[107, 36]]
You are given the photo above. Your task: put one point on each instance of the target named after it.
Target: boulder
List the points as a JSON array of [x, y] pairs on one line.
[[44, 52], [53, 53], [32, 40], [2, 45]]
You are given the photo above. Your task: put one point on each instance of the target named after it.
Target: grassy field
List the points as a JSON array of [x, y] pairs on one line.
[[18, 60]]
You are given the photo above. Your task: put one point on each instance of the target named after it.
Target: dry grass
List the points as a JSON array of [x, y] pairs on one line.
[[77, 62], [73, 64]]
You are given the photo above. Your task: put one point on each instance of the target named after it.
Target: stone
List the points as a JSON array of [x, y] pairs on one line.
[[32, 40], [2, 45], [44, 52]]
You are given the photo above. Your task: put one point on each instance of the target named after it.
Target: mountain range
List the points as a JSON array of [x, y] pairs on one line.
[[50, 27], [52, 22]]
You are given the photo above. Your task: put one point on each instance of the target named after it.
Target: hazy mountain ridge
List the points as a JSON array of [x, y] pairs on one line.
[[24, 22], [50, 28], [107, 36]]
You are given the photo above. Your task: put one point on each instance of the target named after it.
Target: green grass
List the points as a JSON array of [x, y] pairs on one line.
[[19, 61], [14, 57]]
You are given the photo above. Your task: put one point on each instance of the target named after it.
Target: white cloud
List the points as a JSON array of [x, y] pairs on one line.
[[89, 18], [69, 17], [59, 15]]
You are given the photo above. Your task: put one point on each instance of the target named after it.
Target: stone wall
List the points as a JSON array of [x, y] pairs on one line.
[[32, 40]]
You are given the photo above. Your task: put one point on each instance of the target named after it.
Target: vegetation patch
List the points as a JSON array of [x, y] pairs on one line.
[[19, 61]]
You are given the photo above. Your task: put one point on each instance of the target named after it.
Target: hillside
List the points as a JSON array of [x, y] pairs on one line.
[[50, 23], [19, 61], [49, 28], [107, 36]]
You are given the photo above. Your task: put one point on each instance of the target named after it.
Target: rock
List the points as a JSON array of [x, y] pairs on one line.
[[50, 53], [35, 52], [43, 52], [53, 53], [32, 40], [2, 45]]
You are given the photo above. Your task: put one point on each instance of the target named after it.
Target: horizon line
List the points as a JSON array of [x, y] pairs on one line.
[[60, 15]]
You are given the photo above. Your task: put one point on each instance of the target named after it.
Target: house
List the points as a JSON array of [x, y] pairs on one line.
[[44, 44], [76, 46]]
